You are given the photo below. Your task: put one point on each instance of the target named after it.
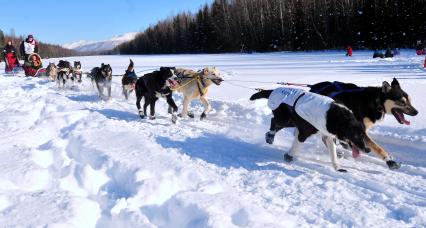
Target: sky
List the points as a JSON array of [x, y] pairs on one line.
[[61, 22]]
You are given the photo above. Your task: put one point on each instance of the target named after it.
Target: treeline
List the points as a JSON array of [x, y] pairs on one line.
[[45, 50], [294, 25]]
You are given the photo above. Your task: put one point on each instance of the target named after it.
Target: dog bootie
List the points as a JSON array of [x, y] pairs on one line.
[[288, 158], [269, 137], [393, 164], [191, 115], [142, 114]]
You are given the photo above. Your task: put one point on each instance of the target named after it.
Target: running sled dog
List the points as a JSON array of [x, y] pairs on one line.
[[52, 71], [194, 85], [128, 81], [311, 113], [77, 72], [64, 72], [102, 77], [151, 87], [369, 105]]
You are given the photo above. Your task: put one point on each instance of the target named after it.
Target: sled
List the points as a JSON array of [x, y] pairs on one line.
[[31, 70], [16, 71]]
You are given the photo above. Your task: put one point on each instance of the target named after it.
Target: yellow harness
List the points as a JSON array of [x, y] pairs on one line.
[[198, 78]]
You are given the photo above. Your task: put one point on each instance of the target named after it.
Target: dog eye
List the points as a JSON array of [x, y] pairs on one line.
[[401, 102]]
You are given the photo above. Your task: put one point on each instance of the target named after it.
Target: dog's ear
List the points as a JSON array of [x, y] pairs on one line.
[[162, 68], [395, 84], [386, 87], [102, 65]]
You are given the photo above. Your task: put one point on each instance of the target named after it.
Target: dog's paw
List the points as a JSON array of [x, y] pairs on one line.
[[203, 116], [191, 115], [269, 138], [393, 164], [174, 118], [345, 146], [341, 170], [152, 117], [142, 114], [288, 158], [340, 154]]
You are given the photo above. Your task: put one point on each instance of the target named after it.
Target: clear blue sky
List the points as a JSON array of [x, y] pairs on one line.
[[59, 22]]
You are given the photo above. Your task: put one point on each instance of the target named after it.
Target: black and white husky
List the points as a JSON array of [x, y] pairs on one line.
[[311, 113], [102, 77], [77, 72], [64, 72]]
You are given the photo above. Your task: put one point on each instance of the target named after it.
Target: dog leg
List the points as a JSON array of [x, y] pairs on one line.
[[270, 135], [109, 90], [125, 93], [152, 109], [100, 90], [172, 107], [138, 105], [382, 153], [185, 105], [295, 147], [145, 105], [333, 155], [207, 107]]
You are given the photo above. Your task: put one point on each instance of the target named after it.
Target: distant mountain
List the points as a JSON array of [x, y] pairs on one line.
[[99, 46]]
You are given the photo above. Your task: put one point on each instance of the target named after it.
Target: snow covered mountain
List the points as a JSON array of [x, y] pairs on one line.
[[97, 46]]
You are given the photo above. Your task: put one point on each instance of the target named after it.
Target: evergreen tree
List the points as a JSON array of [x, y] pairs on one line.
[[270, 25]]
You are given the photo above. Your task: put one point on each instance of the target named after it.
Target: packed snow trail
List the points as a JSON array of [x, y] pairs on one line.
[[69, 159]]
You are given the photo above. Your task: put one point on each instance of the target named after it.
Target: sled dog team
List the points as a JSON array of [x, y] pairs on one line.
[[342, 113]]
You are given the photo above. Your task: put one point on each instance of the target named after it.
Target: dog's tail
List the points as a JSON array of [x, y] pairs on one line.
[[130, 67], [262, 94]]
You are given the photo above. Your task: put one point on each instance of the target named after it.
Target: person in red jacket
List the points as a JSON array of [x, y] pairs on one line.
[[349, 51], [10, 58]]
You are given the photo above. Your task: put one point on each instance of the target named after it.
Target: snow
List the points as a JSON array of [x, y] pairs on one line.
[[69, 159], [104, 45]]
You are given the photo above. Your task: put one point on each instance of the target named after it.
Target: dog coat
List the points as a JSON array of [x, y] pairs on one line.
[[309, 106]]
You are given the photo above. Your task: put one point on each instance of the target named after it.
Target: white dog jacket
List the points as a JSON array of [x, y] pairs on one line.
[[310, 106]]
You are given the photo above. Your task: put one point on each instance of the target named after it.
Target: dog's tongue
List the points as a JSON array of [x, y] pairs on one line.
[[402, 118], [355, 152], [172, 83]]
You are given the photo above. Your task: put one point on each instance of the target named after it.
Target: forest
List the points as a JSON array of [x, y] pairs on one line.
[[45, 50], [285, 25]]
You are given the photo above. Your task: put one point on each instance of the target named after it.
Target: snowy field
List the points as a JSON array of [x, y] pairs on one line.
[[68, 159]]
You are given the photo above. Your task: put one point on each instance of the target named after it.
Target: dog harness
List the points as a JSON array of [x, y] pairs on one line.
[[309, 106], [339, 89]]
